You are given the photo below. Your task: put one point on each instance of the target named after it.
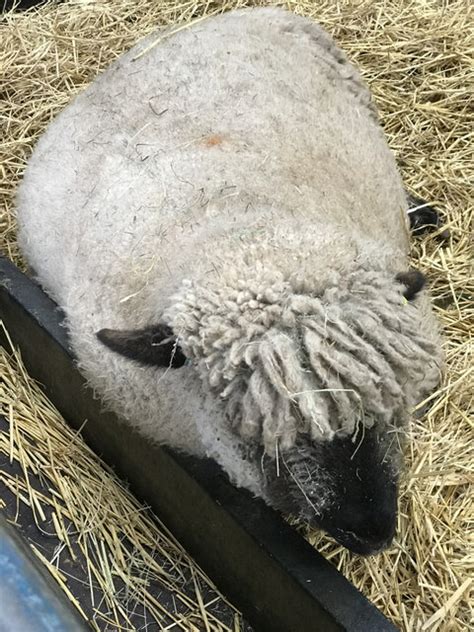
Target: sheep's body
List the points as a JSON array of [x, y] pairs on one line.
[[243, 151]]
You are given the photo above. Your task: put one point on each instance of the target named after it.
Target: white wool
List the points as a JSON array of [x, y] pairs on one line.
[[244, 149], [314, 362]]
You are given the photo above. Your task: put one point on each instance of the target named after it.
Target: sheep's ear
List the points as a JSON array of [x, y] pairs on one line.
[[413, 280], [155, 345]]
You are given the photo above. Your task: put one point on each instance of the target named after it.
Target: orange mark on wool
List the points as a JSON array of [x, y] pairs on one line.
[[213, 140]]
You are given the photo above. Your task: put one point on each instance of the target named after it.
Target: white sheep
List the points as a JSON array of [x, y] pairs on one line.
[[221, 206]]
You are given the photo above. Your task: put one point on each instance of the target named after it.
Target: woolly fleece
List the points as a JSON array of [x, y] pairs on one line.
[[233, 182]]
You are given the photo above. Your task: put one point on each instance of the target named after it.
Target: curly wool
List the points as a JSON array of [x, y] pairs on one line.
[[314, 363]]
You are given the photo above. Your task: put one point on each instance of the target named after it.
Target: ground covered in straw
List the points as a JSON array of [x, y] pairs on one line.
[[417, 56], [115, 561]]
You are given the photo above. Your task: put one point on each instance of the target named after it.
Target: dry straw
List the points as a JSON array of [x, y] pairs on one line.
[[417, 57], [131, 567]]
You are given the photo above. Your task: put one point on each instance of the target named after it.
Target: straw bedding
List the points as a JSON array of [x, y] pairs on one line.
[[118, 565], [417, 57]]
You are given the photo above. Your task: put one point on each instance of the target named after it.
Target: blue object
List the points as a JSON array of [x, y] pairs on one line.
[[29, 599]]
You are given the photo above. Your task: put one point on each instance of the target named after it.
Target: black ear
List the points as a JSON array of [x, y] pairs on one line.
[[155, 345], [413, 280]]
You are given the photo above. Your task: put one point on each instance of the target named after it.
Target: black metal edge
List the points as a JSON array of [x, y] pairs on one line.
[[31, 598], [278, 581], [22, 5]]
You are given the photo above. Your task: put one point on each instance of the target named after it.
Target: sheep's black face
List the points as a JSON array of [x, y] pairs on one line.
[[347, 488]]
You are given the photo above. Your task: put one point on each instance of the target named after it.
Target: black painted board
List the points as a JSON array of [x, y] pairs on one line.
[[21, 5], [278, 581]]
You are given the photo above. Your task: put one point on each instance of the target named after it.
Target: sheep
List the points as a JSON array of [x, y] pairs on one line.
[[221, 220]]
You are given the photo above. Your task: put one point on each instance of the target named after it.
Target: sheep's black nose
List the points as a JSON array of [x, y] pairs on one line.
[[363, 515], [365, 532], [364, 518]]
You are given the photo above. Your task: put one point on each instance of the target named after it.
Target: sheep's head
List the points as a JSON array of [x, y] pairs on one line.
[[318, 381]]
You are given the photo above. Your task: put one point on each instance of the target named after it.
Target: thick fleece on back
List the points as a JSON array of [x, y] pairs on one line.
[[237, 161]]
